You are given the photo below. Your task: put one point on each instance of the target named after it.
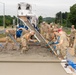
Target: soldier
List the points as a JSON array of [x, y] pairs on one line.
[[50, 28], [63, 44], [56, 27], [25, 39], [72, 36], [13, 33], [41, 28], [45, 30]]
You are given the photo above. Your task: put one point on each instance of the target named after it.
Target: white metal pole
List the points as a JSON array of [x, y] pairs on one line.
[[4, 14]]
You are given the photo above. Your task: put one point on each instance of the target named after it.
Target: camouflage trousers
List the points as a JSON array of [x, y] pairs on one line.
[[71, 42], [24, 45], [46, 36], [41, 31], [62, 51], [7, 41]]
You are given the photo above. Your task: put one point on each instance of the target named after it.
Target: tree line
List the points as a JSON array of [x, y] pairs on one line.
[[67, 18], [8, 20], [63, 18]]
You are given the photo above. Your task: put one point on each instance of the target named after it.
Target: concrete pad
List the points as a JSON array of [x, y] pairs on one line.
[[31, 69]]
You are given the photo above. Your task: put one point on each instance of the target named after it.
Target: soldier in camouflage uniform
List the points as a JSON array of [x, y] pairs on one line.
[[25, 39], [13, 33], [63, 44], [72, 36], [41, 28], [45, 30]]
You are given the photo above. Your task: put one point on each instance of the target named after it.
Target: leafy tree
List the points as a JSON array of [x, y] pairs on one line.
[[49, 19], [61, 17], [72, 14], [8, 20], [40, 19], [1, 20], [14, 17], [58, 17]]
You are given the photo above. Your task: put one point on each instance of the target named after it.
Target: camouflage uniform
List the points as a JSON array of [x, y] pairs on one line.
[[64, 45], [51, 33], [24, 42], [12, 32], [45, 31], [72, 37], [41, 28]]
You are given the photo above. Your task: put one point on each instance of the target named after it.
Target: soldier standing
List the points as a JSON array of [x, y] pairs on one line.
[[72, 36], [45, 30]]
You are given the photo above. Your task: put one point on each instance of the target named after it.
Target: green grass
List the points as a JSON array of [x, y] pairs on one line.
[[1, 27], [2, 35], [68, 32]]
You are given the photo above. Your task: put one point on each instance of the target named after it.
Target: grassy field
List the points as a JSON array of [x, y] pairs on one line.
[[68, 32], [1, 27], [2, 35]]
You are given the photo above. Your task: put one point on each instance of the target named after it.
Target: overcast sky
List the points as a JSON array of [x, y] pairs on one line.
[[46, 8]]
